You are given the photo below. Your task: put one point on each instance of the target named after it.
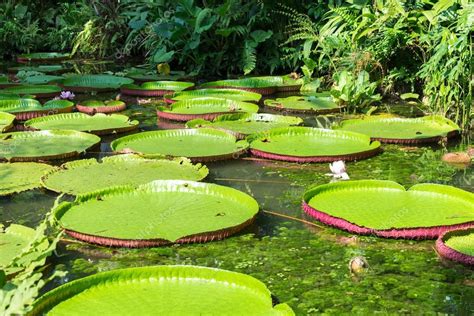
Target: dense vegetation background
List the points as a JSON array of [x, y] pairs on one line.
[[364, 50]]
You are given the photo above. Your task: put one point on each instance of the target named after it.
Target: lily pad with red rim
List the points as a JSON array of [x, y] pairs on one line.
[[155, 88], [389, 129], [47, 69], [244, 124], [96, 106], [44, 145], [306, 144], [387, 209], [74, 177], [87, 83], [205, 108], [457, 245], [233, 94], [157, 213], [319, 104], [162, 290], [203, 144], [25, 109]]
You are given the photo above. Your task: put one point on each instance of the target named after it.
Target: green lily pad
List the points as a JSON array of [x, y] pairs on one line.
[[99, 124], [157, 213], [6, 121], [402, 130], [25, 109], [203, 144], [96, 106], [42, 57], [13, 241], [153, 76], [42, 79], [463, 243], [44, 145], [21, 176], [306, 144], [155, 88], [74, 177], [161, 290], [385, 208], [82, 83], [40, 68], [233, 94], [303, 104], [40, 91], [243, 124], [205, 108]]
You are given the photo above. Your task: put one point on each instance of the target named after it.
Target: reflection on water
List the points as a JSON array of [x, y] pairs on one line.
[[303, 264]]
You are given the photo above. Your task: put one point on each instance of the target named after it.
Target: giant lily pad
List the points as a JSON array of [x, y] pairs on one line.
[[264, 85], [99, 124], [21, 176], [402, 130], [74, 177], [233, 94], [95, 106], [144, 75], [206, 108], [304, 104], [42, 57], [85, 83], [6, 121], [155, 88], [457, 245], [40, 68], [306, 144], [203, 144], [244, 124], [162, 290], [25, 109], [42, 79], [44, 145], [13, 241], [386, 209], [157, 213], [40, 91]]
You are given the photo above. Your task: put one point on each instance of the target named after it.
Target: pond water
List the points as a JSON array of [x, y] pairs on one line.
[[302, 262]]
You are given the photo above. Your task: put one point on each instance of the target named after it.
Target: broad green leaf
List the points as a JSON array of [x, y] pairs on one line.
[[161, 290], [21, 176], [74, 177]]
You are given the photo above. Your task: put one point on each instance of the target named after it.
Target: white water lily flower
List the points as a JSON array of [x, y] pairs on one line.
[[338, 169]]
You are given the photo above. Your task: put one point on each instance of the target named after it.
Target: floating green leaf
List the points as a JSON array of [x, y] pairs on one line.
[[233, 94], [13, 241], [21, 176], [385, 208], [96, 106], [312, 144], [397, 129], [156, 213], [199, 144], [316, 104], [163, 86], [99, 124], [25, 109], [6, 121], [40, 68], [162, 290], [204, 107], [243, 124], [39, 145], [37, 90], [79, 83], [74, 177], [41, 79], [463, 243]]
